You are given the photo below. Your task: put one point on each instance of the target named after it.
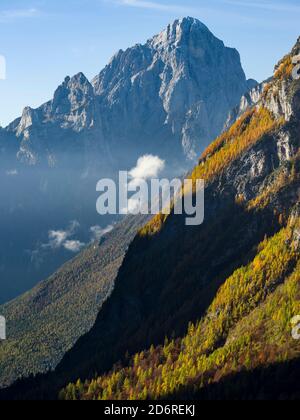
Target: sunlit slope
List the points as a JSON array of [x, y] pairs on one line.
[[247, 326]]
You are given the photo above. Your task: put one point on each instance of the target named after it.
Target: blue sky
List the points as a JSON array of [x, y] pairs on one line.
[[45, 40]]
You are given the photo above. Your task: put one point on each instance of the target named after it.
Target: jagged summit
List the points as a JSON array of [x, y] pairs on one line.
[[189, 21], [187, 25], [185, 75], [72, 94], [180, 31]]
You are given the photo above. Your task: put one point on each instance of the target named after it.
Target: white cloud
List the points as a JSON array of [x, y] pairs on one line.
[[73, 246], [97, 232], [273, 6], [14, 14], [57, 238], [144, 4], [148, 166], [61, 238], [2, 67], [133, 206]]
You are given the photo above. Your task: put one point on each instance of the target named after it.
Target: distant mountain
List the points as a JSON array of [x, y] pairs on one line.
[[170, 97], [223, 293]]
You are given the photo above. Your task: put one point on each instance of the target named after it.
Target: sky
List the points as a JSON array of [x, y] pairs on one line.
[[42, 41]]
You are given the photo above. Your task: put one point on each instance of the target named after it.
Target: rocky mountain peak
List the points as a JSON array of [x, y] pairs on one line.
[[170, 96], [29, 117], [72, 94], [281, 95], [180, 31], [187, 78], [296, 49]]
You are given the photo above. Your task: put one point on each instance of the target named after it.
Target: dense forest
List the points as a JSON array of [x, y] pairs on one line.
[[247, 326]]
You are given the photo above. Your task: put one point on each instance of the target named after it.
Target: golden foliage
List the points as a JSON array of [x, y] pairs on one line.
[[285, 69], [234, 131], [154, 226], [247, 325], [247, 131]]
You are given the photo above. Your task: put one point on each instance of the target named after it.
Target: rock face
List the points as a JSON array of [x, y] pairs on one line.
[[250, 98], [170, 97]]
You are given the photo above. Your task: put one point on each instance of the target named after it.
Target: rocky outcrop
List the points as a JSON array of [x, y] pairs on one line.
[[248, 100]]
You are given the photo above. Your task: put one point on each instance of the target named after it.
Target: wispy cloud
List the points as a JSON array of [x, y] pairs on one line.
[[15, 14], [274, 6], [155, 5], [74, 246], [97, 232], [147, 167], [57, 240], [61, 239]]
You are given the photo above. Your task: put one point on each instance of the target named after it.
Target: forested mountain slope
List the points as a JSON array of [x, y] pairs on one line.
[[45, 323], [247, 327], [235, 278]]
